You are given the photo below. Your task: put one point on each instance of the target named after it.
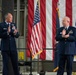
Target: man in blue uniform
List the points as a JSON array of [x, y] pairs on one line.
[[66, 36], [8, 33]]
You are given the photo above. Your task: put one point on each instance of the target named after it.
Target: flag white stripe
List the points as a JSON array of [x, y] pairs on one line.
[[40, 36], [33, 41], [73, 12], [35, 2], [35, 33], [49, 29], [62, 10], [37, 36]]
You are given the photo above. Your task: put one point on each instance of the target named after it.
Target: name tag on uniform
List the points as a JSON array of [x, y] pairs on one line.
[[60, 32], [4, 28]]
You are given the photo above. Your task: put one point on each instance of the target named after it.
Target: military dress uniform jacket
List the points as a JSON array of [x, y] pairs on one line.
[[8, 40], [67, 46]]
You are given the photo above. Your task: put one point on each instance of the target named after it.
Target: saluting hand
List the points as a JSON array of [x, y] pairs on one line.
[[66, 36], [63, 32]]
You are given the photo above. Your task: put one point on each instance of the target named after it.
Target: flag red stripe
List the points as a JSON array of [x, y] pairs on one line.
[[36, 41], [43, 26], [38, 37], [30, 22], [32, 39], [54, 6], [69, 9]]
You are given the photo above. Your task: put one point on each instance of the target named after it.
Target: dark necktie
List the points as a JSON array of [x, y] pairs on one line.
[[66, 30], [8, 24]]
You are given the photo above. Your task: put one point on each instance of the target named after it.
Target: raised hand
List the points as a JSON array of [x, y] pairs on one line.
[[9, 29], [63, 32]]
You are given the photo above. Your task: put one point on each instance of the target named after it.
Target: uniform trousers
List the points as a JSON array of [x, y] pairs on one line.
[[65, 60]]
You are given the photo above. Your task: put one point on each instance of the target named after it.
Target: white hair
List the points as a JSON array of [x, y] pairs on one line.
[[6, 15]]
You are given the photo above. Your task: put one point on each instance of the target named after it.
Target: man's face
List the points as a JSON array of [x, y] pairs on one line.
[[65, 22], [9, 18]]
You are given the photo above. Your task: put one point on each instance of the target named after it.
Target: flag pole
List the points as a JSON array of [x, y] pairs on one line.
[[57, 10], [31, 63], [38, 65], [35, 25]]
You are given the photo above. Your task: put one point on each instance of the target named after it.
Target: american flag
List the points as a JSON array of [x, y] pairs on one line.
[[48, 21], [36, 35]]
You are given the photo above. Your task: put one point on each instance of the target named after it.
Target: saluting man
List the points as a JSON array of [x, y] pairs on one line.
[[66, 36]]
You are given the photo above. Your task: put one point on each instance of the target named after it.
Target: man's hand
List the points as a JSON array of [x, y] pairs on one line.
[[15, 31], [13, 27], [63, 32], [9, 29], [66, 36]]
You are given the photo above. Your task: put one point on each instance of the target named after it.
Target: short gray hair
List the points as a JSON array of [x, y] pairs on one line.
[[6, 15]]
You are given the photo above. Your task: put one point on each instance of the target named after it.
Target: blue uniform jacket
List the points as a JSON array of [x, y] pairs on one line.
[[67, 46], [7, 41]]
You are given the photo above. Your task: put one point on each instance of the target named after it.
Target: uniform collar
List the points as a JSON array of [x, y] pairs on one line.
[[7, 22], [67, 27]]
